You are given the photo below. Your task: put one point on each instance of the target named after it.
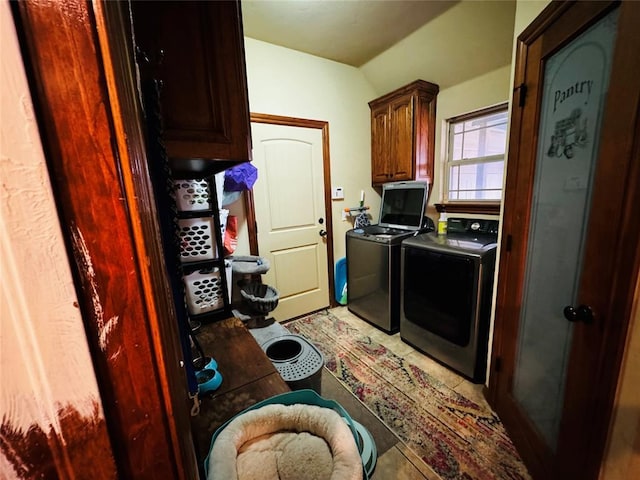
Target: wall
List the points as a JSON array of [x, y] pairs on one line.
[[466, 41], [483, 91], [47, 377], [286, 82], [622, 458], [526, 12]]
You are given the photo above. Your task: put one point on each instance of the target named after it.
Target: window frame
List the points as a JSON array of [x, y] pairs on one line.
[[489, 206]]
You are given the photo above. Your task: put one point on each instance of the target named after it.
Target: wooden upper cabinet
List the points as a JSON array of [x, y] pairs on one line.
[[379, 143], [403, 134], [196, 49]]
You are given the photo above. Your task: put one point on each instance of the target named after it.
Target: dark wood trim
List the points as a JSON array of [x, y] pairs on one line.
[[522, 146], [500, 107], [250, 211], [326, 156], [553, 39], [542, 22], [114, 33], [250, 214], [473, 208], [287, 121], [616, 258], [103, 227]]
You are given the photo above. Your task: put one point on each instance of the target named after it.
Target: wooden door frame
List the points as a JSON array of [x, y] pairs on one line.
[[581, 443], [82, 79], [249, 204]]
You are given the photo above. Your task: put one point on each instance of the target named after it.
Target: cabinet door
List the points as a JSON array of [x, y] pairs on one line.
[[196, 50], [401, 138], [380, 172]]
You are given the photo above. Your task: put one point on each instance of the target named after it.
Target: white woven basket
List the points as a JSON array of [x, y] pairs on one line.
[[192, 195], [197, 239], [203, 291]]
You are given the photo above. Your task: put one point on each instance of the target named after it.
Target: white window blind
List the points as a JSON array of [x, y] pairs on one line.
[[475, 155]]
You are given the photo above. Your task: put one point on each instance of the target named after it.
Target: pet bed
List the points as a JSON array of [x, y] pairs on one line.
[[293, 436]]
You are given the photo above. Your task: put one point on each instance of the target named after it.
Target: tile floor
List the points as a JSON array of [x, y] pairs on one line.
[[399, 463], [394, 343]]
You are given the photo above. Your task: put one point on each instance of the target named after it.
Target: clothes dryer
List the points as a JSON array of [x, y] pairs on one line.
[[447, 286]]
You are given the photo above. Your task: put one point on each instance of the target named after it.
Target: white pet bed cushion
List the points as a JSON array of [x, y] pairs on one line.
[[286, 442]]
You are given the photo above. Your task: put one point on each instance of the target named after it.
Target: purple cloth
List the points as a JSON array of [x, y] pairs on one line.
[[241, 177]]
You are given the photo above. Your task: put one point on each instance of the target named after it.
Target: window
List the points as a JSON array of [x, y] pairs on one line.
[[475, 156]]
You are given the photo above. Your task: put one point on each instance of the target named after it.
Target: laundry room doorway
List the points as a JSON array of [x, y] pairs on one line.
[[290, 204]]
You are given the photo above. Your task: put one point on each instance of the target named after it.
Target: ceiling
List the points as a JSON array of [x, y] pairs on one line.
[[347, 31], [393, 42]]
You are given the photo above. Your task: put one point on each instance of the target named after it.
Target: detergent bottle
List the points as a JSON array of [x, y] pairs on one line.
[[442, 223]]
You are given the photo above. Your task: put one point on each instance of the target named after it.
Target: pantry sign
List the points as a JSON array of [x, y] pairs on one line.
[[576, 84]]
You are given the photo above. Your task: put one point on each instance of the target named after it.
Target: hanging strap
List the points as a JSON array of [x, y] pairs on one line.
[[195, 409]]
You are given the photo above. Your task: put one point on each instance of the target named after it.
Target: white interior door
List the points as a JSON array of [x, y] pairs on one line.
[[290, 210]]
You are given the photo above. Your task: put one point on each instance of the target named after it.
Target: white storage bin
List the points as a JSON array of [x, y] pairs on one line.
[[192, 195], [197, 239], [204, 291]]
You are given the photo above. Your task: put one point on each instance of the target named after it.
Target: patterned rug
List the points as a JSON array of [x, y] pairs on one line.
[[456, 437]]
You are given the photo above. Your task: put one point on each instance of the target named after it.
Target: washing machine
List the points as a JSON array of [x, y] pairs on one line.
[[447, 286], [373, 254]]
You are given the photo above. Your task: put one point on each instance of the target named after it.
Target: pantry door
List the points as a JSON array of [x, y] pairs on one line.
[[569, 253], [290, 203]]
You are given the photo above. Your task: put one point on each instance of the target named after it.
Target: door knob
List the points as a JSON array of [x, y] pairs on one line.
[[322, 233], [583, 313]]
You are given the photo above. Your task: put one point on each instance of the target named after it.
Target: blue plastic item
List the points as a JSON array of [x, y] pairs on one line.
[[208, 380], [368, 452], [309, 397], [212, 365], [341, 281]]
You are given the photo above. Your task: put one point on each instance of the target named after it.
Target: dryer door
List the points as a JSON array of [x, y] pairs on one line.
[[440, 293]]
